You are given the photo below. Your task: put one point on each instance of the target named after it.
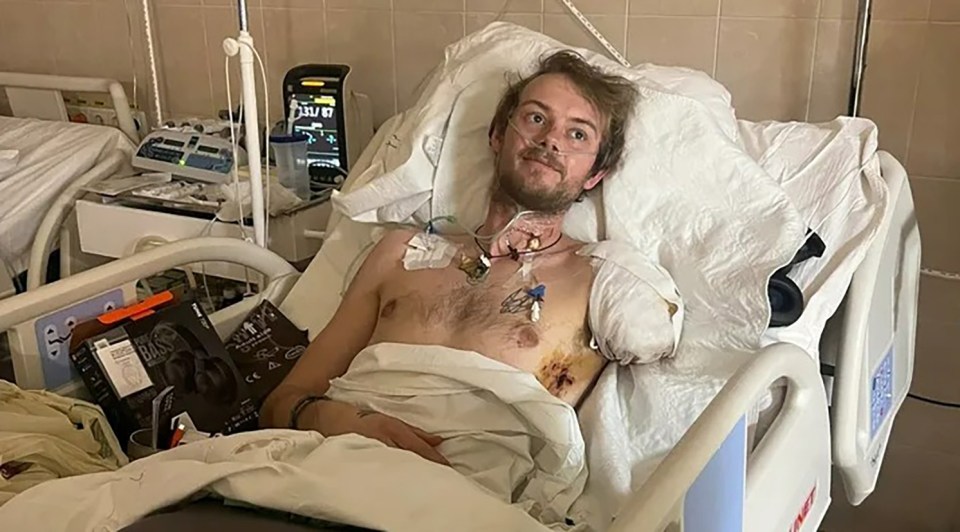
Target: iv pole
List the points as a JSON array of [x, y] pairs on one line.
[[249, 99], [860, 56]]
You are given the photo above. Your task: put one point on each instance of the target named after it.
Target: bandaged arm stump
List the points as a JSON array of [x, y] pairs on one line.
[[636, 313]]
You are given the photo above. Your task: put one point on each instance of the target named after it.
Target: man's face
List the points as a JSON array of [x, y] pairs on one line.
[[545, 154]]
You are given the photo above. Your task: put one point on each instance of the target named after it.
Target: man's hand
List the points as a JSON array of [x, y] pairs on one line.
[[396, 433], [333, 418]]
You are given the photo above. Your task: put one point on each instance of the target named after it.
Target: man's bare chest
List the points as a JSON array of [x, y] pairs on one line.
[[497, 318], [509, 298]]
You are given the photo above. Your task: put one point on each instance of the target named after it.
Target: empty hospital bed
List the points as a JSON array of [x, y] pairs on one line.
[[51, 160], [868, 344]]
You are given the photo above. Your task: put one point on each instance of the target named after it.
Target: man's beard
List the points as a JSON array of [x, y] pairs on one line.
[[534, 196]]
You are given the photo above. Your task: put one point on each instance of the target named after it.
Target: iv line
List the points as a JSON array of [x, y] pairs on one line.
[[486, 238]]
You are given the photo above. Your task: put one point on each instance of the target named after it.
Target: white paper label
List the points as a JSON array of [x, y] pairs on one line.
[[123, 367]]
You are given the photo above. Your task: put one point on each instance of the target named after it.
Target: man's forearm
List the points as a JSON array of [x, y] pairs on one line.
[[320, 416], [279, 405]]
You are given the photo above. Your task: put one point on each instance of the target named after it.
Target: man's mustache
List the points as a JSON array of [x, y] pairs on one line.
[[544, 156]]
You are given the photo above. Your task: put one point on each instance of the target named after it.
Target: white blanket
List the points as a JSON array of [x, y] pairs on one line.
[[515, 450], [347, 479], [50, 155], [501, 427], [831, 172], [636, 415]]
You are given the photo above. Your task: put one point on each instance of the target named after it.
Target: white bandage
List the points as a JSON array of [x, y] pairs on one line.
[[427, 250], [636, 314]]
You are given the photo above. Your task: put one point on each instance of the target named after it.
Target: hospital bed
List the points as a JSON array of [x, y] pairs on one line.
[[867, 348], [55, 160]]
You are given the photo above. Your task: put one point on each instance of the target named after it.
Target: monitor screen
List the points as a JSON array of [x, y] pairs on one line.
[[316, 117]]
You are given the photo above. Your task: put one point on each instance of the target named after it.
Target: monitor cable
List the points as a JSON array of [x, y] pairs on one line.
[[937, 402]]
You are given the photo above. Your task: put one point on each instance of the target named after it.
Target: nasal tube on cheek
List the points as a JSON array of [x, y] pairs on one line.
[[531, 143]]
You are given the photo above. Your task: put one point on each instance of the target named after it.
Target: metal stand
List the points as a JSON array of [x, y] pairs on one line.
[[860, 56], [250, 119]]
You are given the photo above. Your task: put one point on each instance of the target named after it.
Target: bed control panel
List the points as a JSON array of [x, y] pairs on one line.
[[881, 393], [192, 156]]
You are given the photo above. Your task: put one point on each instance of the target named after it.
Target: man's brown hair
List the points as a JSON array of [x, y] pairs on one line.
[[613, 96]]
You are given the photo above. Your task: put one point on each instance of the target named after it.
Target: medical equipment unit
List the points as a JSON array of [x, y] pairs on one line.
[[192, 156], [868, 340], [192, 204], [335, 120], [95, 219]]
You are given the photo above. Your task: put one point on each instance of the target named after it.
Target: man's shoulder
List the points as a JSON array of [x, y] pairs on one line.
[[396, 236]]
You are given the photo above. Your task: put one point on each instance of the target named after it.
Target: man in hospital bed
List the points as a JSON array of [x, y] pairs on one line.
[[517, 294]]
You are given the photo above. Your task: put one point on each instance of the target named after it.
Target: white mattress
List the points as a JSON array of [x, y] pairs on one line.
[[50, 155]]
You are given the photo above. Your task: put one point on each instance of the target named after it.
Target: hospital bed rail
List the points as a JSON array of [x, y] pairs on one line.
[[121, 105], [654, 506], [279, 275], [52, 222]]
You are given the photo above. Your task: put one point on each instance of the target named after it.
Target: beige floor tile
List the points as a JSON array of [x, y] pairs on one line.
[[935, 200], [917, 492], [937, 367], [927, 427]]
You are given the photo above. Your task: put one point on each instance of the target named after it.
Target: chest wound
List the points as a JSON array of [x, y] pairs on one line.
[[557, 374]]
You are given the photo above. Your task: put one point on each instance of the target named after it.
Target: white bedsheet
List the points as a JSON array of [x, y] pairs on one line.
[[348, 479], [501, 428], [515, 451], [831, 173], [51, 155]]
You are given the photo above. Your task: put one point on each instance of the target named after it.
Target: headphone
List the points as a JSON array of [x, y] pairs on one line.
[[193, 370], [786, 298]]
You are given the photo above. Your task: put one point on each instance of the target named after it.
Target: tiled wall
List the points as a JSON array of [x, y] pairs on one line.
[[781, 59]]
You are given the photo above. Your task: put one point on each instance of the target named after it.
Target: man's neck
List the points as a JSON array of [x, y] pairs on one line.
[[529, 232]]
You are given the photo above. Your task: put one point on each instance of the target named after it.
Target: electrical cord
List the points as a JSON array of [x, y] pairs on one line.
[[587, 25], [949, 276], [430, 229], [155, 80], [12, 273], [937, 402], [133, 60], [486, 238]]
